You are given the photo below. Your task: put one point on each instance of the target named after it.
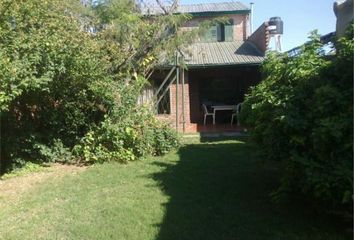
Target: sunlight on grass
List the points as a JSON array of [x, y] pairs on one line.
[[25, 170], [217, 189]]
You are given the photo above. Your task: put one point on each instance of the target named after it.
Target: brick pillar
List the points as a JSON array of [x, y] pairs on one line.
[[181, 102]]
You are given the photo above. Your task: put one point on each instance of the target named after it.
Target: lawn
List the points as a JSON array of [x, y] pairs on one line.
[[205, 190]]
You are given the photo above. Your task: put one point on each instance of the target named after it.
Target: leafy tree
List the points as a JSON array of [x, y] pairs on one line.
[[67, 70], [301, 114]]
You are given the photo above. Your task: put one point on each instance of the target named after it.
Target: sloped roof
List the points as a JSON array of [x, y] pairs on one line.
[[222, 53], [224, 7]]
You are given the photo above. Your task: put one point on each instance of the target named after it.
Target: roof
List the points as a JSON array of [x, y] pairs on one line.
[[222, 54], [203, 8]]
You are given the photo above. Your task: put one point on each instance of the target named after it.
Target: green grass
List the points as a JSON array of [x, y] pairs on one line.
[[24, 170], [210, 190]]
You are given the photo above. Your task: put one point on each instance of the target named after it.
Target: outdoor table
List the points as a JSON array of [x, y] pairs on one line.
[[222, 108]]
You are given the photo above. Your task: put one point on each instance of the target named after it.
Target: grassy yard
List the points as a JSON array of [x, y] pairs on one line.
[[205, 190]]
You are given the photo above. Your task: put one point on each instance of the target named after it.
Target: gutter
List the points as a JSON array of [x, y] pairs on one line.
[[213, 13], [203, 14], [195, 66]]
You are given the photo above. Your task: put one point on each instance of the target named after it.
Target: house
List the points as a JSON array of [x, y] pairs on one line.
[[221, 66]]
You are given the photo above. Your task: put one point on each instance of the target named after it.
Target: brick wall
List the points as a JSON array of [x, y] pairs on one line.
[[183, 104], [240, 24], [260, 37]]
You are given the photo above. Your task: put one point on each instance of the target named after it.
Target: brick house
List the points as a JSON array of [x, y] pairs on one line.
[[221, 66]]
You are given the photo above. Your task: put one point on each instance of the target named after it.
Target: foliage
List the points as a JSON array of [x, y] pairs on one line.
[[149, 38], [70, 73], [165, 139], [53, 82], [129, 141], [28, 167], [55, 153], [301, 114]]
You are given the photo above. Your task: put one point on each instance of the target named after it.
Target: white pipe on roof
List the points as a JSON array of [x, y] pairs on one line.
[[251, 18]]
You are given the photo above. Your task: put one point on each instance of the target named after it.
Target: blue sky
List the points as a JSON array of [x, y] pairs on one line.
[[299, 16]]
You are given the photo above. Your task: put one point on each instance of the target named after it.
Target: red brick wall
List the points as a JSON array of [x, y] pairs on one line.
[[240, 24], [182, 104], [261, 37]]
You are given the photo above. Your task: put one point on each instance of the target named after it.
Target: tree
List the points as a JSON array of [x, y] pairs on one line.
[[301, 114], [67, 69]]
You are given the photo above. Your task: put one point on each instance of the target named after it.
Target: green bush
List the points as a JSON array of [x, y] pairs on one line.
[[165, 139], [52, 78], [63, 69], [301, 114], [125, 142], [57, 152]]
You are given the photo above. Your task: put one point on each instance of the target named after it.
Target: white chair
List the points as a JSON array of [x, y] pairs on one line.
[[207, 113], [236, 114]]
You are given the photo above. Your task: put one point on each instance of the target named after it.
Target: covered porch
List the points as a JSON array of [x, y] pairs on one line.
[[216, 87], [219, 88], [217, 74]]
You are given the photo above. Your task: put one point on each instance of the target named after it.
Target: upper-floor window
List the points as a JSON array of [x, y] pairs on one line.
[[222, 32]]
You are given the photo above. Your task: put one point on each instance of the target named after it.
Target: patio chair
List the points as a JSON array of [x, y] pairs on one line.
[[236, 114], [207, 113]]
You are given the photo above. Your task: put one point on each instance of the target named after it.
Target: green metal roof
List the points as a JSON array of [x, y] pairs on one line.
[[201, 9], [222, 54]]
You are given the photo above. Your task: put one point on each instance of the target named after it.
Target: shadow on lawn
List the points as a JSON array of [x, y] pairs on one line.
[[206, 139], [221, 191]]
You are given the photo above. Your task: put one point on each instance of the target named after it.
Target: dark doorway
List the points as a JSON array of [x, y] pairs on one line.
[[225, 85]]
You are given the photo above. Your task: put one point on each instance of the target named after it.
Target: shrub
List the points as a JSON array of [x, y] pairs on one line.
[[301, 114], [165, 139], [64, 67], [57, 152], [117, 142], [52, 78]]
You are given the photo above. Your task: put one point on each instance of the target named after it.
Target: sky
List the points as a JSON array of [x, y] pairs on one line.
[[300, 17]]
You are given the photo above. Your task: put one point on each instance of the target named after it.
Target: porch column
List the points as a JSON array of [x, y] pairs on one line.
[[183, 103]]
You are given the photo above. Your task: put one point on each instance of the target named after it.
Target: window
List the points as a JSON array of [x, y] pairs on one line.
[[164, 106], [220, 33], [210, 35], [229, 31]]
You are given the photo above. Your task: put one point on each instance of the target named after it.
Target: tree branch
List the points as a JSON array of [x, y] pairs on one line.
[[171, 10]]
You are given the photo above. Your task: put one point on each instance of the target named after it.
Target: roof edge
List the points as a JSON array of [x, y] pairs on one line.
[[201, 14], [194, 66], [194, 9]]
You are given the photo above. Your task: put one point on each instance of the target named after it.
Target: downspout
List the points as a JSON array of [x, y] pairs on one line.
[[183, 116], [177, 83], [251, 18]]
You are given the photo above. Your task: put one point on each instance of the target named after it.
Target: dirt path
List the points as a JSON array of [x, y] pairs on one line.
[[12, 189]]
